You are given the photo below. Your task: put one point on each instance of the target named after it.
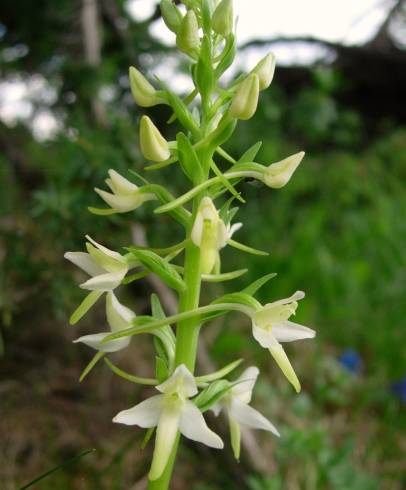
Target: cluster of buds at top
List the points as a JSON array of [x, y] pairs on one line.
[[205, 33]]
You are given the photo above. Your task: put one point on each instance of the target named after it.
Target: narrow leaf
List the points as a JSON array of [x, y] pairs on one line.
[[101, 211], [161, 369], [256, 285], [251, 153], [57, 468], [147, 437]]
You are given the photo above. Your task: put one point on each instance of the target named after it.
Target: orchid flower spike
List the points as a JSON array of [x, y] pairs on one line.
[[278, 174], [271, 325], [119, 317], [210, 233], [171, 412], [125, 195], [236, 404], [107, 268]]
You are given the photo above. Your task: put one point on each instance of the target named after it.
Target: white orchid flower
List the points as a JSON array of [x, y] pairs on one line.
[[210, 234], [119, 317], [107, 268], [236, 404], [171, 412], [271, 325], [125, 195]]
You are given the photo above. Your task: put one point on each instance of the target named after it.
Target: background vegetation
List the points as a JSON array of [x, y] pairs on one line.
[[338, 231]]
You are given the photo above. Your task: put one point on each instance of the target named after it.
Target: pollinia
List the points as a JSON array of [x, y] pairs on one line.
[[208, 116]]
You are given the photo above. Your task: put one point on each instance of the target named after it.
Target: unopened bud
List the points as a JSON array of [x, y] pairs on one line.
[[143, 92], [245, 100], [187, 38], [223, 18], [265, 70], [171, 15], [278, 174], [153, 145]]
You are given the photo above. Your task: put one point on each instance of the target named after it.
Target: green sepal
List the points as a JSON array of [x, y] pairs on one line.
[[147, 437], [251, 153], [212, 394], [203, 72], [246, 248], [161, 369], [156, 264], [130, 377], [256, 285], [225, 276], [85, 306], [188, 159], [227, 56], [101, 211]]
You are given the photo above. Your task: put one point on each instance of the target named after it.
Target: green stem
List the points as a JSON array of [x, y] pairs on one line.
[[187, 334]]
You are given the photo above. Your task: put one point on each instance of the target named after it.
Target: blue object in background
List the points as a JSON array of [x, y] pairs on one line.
[[399, 389], [351, 360]]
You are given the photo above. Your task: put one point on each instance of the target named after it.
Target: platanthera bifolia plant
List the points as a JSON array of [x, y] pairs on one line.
[[208, 116]]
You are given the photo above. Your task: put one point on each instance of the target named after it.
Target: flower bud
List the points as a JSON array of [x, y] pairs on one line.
[[210, 234], [153, 145], [278, 174], [223, 18], [143, 92], [171, 15], [245, 100], [265, 70], [187, 38]]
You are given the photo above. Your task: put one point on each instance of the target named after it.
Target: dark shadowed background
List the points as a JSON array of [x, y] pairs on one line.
[[337, 231]]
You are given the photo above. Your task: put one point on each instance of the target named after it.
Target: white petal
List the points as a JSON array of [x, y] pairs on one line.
[[217, 408], [146, 414], [289, 331], [166, 433], [95, 342], [104, 282], [193, 426], [182, 382], [85, 262], [263, 336], [248, 416], [119, 316], [121, 203], [120, 184], [222, 235], [245, 384]]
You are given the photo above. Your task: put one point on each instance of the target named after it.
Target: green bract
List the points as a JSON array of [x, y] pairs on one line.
[[206, 212]]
